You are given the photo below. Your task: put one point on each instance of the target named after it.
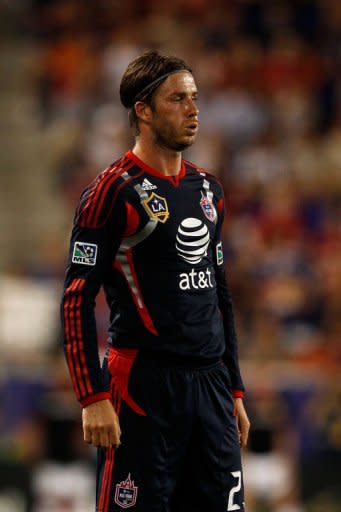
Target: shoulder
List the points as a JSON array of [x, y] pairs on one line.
[[213, 181], [98, 198]]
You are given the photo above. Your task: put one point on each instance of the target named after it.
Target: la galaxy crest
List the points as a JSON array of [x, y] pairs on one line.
[[156, 207], [126, 493]]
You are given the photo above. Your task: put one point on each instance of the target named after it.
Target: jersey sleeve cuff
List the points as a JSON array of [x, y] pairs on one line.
[[97, 397], [237, 393]]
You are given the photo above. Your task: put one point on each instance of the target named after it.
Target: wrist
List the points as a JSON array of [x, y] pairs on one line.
[[238, 393], [97, 397]]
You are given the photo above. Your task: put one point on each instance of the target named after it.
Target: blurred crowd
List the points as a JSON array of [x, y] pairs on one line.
[[270, 129]]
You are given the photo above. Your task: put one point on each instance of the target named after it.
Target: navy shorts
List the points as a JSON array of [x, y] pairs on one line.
[[179, 446]]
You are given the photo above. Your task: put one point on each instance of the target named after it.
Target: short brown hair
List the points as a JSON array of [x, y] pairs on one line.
[[143, 76]]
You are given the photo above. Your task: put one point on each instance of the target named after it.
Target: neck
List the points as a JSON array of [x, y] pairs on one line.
[[167, 161]]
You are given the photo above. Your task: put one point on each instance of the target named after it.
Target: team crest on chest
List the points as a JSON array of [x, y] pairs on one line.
[[208, 208], [156, 207], [126, 493]]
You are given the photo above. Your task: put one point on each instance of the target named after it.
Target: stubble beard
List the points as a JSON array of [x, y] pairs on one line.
[[170, 142]]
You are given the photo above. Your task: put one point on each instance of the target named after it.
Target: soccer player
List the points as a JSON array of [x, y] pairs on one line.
[[165, 409]]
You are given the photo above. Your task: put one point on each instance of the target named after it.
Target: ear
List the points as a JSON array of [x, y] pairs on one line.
[[143, 111]]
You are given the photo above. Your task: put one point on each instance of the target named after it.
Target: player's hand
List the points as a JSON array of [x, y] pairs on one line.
[[100, 425], [243, 423]]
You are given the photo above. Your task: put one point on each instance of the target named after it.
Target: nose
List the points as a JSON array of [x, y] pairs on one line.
[[192, 108]]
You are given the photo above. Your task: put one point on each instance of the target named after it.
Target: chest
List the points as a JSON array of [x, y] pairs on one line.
[[174, 221]]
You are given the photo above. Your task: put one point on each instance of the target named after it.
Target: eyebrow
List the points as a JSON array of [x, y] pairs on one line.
[[183, 93]]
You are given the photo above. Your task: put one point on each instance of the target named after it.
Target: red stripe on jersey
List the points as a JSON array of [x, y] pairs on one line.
[[144, 312], [107, 173], [123, 184], [74, 339], [74, 334], [128, 180], [95, 195], [220, 205], [74, 328], [103, 190], [136, 294], [94, 189], [83, 365], [69, 303], [133, 220], [148, 322]]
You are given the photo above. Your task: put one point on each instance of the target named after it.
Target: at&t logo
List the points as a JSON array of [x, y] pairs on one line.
[[194, 280], [192, 240]]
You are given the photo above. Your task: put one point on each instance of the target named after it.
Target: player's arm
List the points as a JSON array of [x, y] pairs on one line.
[[230, 357], [96, 235]]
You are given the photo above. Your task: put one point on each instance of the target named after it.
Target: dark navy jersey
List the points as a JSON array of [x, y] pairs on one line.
[[154, 243]]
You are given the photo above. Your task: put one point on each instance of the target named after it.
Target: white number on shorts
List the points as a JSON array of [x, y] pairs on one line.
[[234, 490]]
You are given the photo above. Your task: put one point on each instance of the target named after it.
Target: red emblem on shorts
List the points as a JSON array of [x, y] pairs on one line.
[[126, 493]]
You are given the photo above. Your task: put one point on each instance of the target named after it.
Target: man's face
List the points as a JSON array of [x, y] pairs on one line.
[[174, 112]]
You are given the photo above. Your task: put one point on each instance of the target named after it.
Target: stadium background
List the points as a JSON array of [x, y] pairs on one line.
[[270, 106]]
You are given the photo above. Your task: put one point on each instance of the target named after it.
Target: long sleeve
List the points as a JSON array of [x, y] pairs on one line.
[[98, 226], [230, 356]]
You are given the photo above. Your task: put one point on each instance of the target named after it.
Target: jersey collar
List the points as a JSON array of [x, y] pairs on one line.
[[175, 180]]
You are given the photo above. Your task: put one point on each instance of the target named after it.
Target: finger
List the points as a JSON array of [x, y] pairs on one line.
[[95, 438], [115, 435], [87, 435], [241, 432], [116, 431], [242, 440], [104, 439], [240, 437], [115, 442], [244, 435]]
